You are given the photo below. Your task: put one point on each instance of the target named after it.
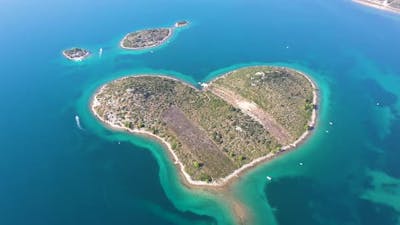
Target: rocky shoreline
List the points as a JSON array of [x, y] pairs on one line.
[[221, 182], [76, 54]]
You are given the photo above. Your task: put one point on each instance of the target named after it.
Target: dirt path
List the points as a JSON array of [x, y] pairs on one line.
[[252, 109], [197, 143]]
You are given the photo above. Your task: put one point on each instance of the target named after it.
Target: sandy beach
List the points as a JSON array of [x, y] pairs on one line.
[[222, 182]]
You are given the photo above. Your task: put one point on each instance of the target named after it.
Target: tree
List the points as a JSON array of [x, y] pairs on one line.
[[205, 177], [196, 164], [174, 145], [242, 157]]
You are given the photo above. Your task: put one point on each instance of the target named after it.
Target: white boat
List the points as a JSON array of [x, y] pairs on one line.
[[269, 178], [100, 52], [78, 122]]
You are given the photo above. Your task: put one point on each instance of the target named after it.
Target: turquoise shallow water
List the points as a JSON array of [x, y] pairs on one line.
[[51, 172]]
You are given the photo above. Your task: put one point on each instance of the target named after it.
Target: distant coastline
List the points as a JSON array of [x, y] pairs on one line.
[[222, 182], [378, 5]]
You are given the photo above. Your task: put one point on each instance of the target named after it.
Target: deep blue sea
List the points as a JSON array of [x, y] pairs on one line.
[[53, 173]]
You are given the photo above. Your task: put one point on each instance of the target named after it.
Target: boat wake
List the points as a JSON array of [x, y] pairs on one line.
[[78, 122]]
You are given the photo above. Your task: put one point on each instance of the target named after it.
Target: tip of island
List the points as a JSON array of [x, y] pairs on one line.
[[149, 38], [76, 54], [233, 123], [181, 23]]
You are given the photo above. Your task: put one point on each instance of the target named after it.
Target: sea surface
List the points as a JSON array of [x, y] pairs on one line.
[[54, 173]]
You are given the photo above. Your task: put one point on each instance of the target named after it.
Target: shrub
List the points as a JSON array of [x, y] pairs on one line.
[[196, 164], [205, 177]]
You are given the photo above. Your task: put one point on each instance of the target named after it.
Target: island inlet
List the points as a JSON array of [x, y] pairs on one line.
[[234, 122]]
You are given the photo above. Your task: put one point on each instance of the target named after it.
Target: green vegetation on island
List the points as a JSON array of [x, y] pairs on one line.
[[76, 54], [242, 116], [145, 38], [149, 38], [283, 95]]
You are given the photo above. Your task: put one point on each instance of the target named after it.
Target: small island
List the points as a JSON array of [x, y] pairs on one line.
[[76, 54], [232, 123], [389, 5], [149, 38], [181, 23], [144, 39]]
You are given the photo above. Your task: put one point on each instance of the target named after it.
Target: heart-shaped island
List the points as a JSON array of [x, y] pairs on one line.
[[234, 122]]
